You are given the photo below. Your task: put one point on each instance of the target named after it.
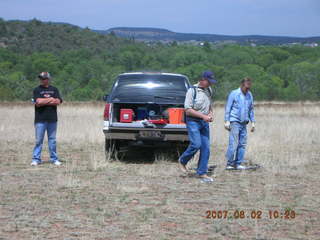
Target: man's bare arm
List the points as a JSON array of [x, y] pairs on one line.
[[55, 102], [42, 101], [193, 113], [47, 102]]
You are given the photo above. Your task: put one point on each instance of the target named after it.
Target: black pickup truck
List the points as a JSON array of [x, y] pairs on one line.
[[148, 96]]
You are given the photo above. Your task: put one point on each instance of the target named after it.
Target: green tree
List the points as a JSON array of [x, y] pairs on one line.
[[306, 76]]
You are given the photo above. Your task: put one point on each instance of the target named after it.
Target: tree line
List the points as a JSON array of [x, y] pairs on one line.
[[84, 64]]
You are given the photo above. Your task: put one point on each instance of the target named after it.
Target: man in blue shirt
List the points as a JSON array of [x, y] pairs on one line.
[[238, 112]]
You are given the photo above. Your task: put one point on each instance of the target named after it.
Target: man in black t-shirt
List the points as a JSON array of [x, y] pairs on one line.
[[46, 99]]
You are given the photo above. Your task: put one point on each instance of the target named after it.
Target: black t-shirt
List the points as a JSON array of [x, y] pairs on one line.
[[46, 113]]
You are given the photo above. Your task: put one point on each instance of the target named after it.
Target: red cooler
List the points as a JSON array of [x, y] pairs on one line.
[[126, 115]]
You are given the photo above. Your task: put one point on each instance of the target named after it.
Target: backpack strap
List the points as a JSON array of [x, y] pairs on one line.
[[210, 91], [194, 95]]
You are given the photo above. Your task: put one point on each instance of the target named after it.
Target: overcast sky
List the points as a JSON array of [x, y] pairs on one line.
[[232, 17]]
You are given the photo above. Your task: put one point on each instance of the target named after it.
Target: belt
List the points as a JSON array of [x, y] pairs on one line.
[[193, 118], [245, 122]]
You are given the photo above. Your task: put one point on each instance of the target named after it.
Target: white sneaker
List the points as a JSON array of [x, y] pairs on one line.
[[57, 163], [206, 179], [230, 167], [34, 163], [241, 167]]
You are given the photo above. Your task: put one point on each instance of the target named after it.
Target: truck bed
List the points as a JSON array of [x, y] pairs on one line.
[[120, 125]]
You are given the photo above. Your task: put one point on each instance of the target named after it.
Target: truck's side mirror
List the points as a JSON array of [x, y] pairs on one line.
[[105, 97]]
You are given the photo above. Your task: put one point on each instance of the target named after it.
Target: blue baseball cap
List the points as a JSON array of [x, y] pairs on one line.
[[209, 76]]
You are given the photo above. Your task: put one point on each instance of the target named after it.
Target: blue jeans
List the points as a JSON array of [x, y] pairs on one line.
[[41, 128], [199, 135], [237, 143]]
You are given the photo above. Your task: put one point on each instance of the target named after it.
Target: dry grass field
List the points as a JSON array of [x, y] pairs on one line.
[[146, 197]]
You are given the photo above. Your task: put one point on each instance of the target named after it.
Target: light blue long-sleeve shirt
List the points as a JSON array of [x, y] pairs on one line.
[[239, 107]]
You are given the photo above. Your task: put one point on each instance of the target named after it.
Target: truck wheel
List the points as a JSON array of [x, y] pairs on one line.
[[111, 149]]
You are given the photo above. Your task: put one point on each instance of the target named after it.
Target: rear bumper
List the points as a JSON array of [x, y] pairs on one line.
[[131, 131]]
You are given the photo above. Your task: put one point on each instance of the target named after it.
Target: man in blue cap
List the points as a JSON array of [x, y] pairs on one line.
[[198, 108]]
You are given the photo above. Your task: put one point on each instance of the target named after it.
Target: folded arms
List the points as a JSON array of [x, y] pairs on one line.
[[47, 102]]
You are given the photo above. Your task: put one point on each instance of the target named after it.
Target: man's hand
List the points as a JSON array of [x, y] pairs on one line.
[[252, 127], [43, 101], [227, 125], [211, 115], [207, 118], [54, 102]]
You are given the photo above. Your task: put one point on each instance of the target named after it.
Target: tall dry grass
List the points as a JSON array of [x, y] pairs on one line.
[[89, 198]]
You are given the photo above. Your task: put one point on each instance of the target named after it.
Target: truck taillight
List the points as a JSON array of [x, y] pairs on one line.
[[106, 112]]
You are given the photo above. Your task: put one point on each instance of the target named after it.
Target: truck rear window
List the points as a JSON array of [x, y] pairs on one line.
[[145, 87]]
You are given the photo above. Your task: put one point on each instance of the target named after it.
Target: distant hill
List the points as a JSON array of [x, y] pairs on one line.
[[34, 36], [31, 36], [155, 34], [37, 36]]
